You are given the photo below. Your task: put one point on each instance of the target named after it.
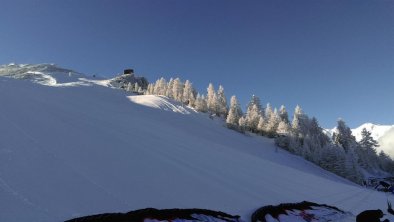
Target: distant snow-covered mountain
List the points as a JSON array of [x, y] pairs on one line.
[[377, 131], [384, 134]]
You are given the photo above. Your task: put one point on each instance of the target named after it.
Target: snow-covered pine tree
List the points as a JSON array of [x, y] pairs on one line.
[[188, 96], [177, 90], [367, 151], [367, 141], [305, 150], [170, 87], [253, 113], [332, 159], [268, 111], [221, 102], [295, 124], [242, 124], [343, 137], [283, 128], [255, 101], [352, 169], [272, 122], [234, 114], [261, 125], [252, 118], [160, 86], [204, 103], [201, 104], [284, 116], [136, 87], [129, 87], [149, 90], [320, 139], [212, 99], [296, 136], [198, 103]]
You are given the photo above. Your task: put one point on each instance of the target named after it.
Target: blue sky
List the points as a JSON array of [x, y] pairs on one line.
[[333, 57]]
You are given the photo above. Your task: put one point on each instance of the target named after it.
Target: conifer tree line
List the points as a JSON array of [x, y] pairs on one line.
[[302, 135], [214, 102]]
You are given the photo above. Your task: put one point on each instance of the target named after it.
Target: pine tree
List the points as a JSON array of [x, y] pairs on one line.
[[135, 87], [367, 151], [344, 136], [129, 87], [242, 124], [169, 90], [295, 125], [296, 135], [255, 101], [332, 159], [283, 128], [201, 103], [188, 96], [253, 113], [221, 102], [261, 125], [268, 111], [272, 123], [367, 142], [284, 116], [352, 171], [149, 90], [234, 114], [211, 99], [252, 118], [160, 87], [177, 90]]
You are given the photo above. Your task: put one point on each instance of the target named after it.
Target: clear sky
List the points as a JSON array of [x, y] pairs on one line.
[[333, 57]]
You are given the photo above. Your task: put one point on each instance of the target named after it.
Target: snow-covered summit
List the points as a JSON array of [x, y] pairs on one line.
[[377, 131], [45, 74]]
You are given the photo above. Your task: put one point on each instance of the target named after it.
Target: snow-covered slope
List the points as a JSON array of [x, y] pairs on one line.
[[161, 102], [73, 151]]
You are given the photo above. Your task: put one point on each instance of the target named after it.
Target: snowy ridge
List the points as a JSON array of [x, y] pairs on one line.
[[85, 150], [51, 75], [45, 74], [377, 131]]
